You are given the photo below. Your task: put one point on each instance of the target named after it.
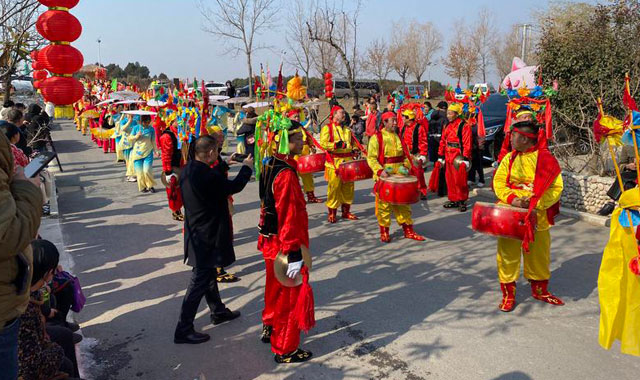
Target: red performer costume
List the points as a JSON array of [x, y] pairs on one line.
[[284, 227], [171, 160], [456, 141], [414, 134]]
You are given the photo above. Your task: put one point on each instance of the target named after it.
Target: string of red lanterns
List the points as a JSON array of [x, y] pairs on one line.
[[59, 58]]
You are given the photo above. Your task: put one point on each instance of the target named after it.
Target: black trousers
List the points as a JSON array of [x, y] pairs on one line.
[[629, 181], [476, 166], [64, 337], [202, 284], [63, 302]]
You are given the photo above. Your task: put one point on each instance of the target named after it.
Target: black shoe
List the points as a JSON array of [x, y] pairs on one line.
[[607, 209], [77, 338], [226, 315], [72, 326], [462, 206], [193, 337], [152, 190], [297, 356], [145, 190], [423, 197], [265, 337]]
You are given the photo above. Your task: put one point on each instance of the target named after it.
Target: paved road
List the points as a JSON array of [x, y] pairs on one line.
[[405, 310]]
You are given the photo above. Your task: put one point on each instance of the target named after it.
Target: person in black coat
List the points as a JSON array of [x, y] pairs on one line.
[[208, 237]]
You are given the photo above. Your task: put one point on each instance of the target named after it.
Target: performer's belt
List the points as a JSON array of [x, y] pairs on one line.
[[342, 155], [520, 186], [394, 160], [453, 145]]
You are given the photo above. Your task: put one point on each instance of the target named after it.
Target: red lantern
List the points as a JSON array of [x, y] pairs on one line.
[[59, 26], [328, 85], [61, 59], [59, 3], [34, 55], [40, 75], [37, 65], [63, 92], [328, 76], [37, 84]]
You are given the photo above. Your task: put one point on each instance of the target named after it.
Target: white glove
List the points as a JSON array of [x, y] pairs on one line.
[[467, 165], [293, 269], [168, 177], [441, 161]]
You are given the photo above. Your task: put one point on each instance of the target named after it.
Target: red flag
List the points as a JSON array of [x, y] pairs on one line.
[[280, 84], [627, 99]]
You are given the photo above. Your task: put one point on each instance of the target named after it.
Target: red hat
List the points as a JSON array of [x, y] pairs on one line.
[[334, 109], [387, 115], [293, 112]]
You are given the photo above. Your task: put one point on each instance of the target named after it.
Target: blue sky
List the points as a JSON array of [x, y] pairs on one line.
[[166, 35]]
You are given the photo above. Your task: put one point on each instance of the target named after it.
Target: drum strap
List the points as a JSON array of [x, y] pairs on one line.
[[394, 160]]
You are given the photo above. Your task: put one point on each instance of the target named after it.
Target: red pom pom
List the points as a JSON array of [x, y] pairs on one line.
[[634, 265]]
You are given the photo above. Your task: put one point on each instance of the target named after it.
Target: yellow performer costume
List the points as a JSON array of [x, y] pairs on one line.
[[516, 179], [336, 139], [389, 157], [392, 148], [536, 263], [618, 287]]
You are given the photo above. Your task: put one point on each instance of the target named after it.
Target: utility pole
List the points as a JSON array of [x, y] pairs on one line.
[[99, 41], [525, 37]]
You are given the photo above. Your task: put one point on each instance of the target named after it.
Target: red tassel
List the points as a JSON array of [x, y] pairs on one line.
[[434, 180], [481, 130], [304, 311], [634, 265]]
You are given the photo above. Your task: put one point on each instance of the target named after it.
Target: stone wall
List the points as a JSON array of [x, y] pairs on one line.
[[585, 193]]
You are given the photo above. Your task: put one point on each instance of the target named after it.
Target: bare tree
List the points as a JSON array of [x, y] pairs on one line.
[[503, 51], [338, 28], [19, 37], [298, 40], [462, 59], [376, 60], [238, 22], [400, 51], [423, 41], [483, 39]]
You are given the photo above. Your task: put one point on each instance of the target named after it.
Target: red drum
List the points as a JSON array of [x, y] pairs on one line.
[[500, 220], [356, 170], [399, 190], [311, 163]]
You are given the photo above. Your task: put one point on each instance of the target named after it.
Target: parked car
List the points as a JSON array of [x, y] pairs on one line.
[[482, 87], [21, 84], [412, 89], [495, 115], [216, 88], [364, 88]]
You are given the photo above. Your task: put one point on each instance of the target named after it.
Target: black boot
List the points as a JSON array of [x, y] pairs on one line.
[[607, 209], [265, 337]]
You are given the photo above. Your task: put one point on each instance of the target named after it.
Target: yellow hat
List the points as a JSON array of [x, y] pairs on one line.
[[455, 107], [409, 113]]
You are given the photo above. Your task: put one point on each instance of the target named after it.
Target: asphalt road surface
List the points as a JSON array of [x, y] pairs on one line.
[[405, 310]]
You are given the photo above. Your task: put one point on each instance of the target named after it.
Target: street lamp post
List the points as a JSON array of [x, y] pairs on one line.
[[99, 53]]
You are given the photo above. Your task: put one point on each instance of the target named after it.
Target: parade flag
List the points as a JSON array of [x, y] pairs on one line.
[[627, 99], [114, 85], [269, 79], [263, 77], [280, 84]]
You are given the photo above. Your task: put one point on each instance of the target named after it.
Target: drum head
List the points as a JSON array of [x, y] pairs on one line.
[[280, 266], [397, 178]]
